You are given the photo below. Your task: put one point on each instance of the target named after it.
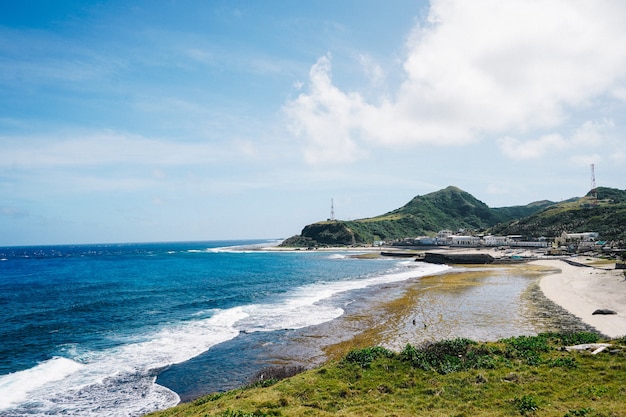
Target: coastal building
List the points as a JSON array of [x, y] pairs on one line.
[[495, 240], [521, 242], [530, 244], [465, 241], [444, 237], [578, 241], [567, 241], [427, 241]]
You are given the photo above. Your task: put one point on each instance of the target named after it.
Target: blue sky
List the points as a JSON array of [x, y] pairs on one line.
[[197, 120]]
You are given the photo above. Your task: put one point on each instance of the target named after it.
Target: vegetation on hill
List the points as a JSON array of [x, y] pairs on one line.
[[450, 208], [606, 215], [526, 375], [454, 209]]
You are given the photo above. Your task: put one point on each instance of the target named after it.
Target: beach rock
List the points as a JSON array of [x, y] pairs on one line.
[[604, 311]]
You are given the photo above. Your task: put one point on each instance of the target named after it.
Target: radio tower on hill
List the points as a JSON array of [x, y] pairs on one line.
[[332, 210], [594, 192]]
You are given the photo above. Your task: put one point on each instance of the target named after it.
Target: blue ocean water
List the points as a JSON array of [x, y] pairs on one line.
[[86, 330]]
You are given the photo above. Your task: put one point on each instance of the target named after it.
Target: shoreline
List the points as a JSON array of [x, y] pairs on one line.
[[578, 288], [426, 309], [581, 290], [390, 322]]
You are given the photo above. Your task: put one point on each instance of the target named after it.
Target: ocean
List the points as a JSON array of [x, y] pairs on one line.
[[126, 329]]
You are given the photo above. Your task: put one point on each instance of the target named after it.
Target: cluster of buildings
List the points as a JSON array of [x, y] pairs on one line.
[[575, 242]]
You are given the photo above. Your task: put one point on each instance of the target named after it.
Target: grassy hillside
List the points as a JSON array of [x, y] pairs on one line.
[[607, 217], [524, 376], [454, 209], [450, 208]]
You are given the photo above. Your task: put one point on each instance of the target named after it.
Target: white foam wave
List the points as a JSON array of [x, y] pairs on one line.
[[121, 381], [16, 386], [114, 382]]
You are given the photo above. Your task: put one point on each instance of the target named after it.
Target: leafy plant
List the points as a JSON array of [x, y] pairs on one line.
[[524, 346], [566, 362], [365, 357], [448, 356], [525, 404]]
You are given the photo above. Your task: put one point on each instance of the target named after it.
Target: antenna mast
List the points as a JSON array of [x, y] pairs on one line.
[[594, 191], [332, 210]]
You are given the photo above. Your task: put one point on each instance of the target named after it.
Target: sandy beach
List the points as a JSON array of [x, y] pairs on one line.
[[582, 290]]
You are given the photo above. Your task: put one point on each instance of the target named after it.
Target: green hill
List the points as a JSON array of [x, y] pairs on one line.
[[454, 209], [607, 216], [450, 208]]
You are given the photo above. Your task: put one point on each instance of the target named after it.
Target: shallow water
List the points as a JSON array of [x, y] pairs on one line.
[[477, 303]]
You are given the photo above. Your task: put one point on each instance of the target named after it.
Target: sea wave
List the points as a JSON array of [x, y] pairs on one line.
[[14, 387], [121, 381], [113, 382]]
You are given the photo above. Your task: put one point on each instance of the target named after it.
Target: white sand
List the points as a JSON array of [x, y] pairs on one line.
[[582, 290]]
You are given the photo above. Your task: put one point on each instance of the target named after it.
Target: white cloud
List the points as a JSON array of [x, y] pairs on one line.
[[473, 70], [373, 70], [593, 133], [531, 149], [327, 116]]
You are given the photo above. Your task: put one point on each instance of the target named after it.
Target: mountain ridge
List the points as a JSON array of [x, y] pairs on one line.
[[453, 209]]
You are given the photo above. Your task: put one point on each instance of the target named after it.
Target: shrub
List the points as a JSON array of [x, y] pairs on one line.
[[365, 357], [526, 404], [527, 347], [564, 363], [448, 356]]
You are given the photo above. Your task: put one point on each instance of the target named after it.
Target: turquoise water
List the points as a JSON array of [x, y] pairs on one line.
[[87, 330]]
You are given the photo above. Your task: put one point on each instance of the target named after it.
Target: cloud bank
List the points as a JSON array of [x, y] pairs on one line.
[[476, 70]]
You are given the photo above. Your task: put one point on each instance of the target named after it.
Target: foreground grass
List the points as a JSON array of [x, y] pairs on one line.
[[529, 376]]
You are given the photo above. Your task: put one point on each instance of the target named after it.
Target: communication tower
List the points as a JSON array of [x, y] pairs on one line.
[[332, 210], [594, 192]]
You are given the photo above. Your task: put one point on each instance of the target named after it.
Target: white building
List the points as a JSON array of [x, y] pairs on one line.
[[586, 240], [465, 241], [496, 240], [444, 237]]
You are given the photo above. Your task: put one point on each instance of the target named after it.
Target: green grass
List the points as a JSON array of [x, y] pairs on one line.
[[521, 376]]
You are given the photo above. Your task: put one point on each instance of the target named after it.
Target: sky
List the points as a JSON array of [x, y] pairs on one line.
[[183, 120]]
